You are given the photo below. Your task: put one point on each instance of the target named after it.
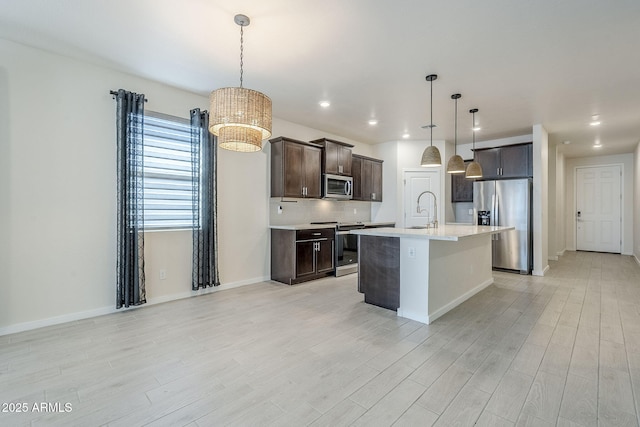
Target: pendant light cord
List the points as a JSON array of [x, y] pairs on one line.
[[455, 133], [431, 125], [473, 130], [241, 52]]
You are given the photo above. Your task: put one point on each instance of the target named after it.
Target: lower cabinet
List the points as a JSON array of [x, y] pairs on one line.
[[301, 255]]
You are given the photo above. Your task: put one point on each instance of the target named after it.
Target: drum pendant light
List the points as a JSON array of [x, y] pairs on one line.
[[455, 164], [240, 117], [431, 154], [474, 170]]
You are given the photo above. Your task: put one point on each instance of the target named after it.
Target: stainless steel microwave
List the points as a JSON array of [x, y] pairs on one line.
[[337, 187]]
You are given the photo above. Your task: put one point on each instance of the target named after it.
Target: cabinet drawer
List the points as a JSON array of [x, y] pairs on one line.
[[316, 233]]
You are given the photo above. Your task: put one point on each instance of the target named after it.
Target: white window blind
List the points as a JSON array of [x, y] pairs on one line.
[[168, 184]]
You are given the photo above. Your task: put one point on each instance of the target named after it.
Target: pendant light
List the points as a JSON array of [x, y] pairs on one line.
[[431, 154], [474, 170], [240, 117], [455, 164]]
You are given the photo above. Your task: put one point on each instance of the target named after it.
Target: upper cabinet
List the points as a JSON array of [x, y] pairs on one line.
[[295, 168], [461, 187], [367, 178], [336, 158], [509, 161]]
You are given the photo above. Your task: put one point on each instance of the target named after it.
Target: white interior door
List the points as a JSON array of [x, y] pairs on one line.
[[415, 182], [598, 209]]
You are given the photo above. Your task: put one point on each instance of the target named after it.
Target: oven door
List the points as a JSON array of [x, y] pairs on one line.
[[346, 253]]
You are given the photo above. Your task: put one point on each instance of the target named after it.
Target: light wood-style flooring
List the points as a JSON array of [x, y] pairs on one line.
[[560, 350]]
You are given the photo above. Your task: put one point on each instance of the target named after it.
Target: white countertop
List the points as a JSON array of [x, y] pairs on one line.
[[316, 226], [451, 232]]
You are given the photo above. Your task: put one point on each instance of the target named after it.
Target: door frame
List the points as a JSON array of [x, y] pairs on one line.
[[574, 222]]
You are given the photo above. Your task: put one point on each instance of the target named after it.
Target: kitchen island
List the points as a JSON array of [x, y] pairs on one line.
[[424, 273]]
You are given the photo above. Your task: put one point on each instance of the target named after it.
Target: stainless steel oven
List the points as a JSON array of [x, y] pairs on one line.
[[346, 249]]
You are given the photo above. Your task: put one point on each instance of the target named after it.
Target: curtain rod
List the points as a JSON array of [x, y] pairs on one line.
[[115, 92]]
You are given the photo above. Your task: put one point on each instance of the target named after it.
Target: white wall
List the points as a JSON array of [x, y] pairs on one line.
[[627, 162], [398, 156], [58, 193], [636, 208], [559, 237], [540, 200]]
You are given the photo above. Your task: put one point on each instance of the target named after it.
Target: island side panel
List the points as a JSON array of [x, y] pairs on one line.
[[458, 271], [414, 279], [379, 270]]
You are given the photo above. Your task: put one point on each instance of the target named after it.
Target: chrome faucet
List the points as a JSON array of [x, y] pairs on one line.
[[433, 223]]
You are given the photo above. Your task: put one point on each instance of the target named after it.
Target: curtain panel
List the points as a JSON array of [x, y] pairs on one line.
[[130, 286], [205, 222]]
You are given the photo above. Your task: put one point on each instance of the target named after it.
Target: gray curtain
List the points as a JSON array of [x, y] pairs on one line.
[[130, 250], [205, 222]]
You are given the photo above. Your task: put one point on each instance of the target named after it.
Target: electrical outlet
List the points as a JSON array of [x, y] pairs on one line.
[[279, 210], [470, 211], [163, 274], [412, 252], [355, 211]]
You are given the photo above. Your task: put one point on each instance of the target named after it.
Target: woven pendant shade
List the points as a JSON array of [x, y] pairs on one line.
[[455, 164], [474, 170], [240, 118], [431, 157]]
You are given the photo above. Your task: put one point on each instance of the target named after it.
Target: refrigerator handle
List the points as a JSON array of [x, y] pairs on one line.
[[494, 214]]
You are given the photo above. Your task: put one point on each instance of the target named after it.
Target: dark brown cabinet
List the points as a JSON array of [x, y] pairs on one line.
[[510, 161], [336, 157], [301, 255], [367, 178], [461, 187], [295, 168]]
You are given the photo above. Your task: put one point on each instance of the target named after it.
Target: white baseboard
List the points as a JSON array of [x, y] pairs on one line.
[[456, 302], [560, 253], [636, 258], [71, 317], [56, 320], [553, 258], [540, 273]]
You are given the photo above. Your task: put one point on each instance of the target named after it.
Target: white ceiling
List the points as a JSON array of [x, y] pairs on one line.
[[521, 63]]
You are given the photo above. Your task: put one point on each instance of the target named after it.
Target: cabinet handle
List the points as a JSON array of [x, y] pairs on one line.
[[316, 234], [373, 196], [340, 168]]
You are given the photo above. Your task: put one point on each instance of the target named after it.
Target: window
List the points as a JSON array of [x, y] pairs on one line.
[[168, 183]]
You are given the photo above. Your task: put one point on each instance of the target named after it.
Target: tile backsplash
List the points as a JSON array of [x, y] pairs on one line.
[[304, 211]]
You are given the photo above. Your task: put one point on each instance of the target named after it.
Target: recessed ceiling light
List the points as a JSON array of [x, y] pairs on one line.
[[597, 145], [476, 128], [325, 104], [405, 135], [566, 142], [594, 123], [373, 122]]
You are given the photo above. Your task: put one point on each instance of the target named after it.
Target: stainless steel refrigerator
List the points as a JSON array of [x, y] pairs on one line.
[[508, 203]]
